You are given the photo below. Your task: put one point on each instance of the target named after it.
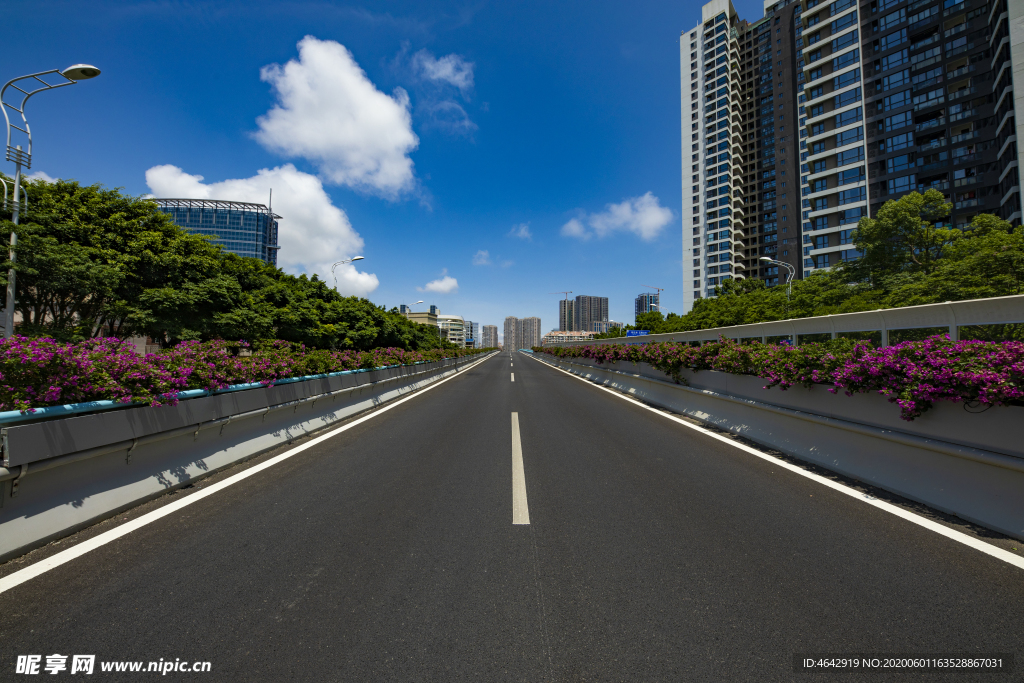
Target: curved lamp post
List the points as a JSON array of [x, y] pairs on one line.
[[789, 277], [25, 87], [341, 263]]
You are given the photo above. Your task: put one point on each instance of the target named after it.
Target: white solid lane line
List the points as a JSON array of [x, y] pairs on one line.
[[951, 534], [520, 511], [43, 566]]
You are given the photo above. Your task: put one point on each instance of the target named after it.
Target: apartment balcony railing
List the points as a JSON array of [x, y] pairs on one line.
[[934, 123]]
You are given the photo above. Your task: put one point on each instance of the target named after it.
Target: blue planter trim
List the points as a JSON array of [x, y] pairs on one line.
[[15, 416]]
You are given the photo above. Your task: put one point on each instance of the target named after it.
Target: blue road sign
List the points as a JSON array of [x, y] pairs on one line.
[[637, 333]]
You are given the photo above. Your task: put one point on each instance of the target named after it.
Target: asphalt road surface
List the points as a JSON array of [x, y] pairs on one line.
[[612, 545]]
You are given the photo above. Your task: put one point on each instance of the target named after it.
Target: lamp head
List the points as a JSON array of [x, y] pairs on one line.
[[81, 72], [420, 301], [357, 258], [765, 258]]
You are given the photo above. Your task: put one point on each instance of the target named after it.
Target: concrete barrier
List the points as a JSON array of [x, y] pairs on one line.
[[967, 464], [62, 475]]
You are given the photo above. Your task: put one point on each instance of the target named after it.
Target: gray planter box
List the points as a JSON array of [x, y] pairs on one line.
[[71, 472]]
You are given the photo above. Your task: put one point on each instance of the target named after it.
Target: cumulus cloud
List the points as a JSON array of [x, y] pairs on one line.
[[522, 231], [482, 258], [452, 69], [313, 233], [643, 216], [574, 228], [331, 114], [445, 284], [39, 175]]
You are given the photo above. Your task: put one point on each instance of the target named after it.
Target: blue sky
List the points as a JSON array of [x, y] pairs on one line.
[[516, 149]]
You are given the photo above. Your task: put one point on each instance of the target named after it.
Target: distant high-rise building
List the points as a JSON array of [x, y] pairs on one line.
[[566, 322], [647, 302], [472, 330], [530, 334], [489, 340], [240, 228], [589, 309], [434, 310], [511, 332]]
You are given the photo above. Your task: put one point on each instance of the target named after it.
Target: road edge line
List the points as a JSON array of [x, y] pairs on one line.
[[42, 566], [951, 534]]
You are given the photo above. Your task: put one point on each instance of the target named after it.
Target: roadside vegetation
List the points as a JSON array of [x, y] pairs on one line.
[[41, 372], [913, 374], [909, 258], [94, 262]]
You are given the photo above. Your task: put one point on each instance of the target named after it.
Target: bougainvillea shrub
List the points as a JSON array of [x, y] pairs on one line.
[[35, 373], [913, 374]]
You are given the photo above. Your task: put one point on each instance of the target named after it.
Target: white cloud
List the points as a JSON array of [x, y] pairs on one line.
[[482, 258], [522, 231], [330, 113], [452, 69], [313, 233], [446, 284], [448, 115], [574, 228], [39, 175], [439, 83], [643, 216]]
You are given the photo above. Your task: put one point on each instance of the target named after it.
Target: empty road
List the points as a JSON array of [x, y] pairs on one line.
[[517, 524]]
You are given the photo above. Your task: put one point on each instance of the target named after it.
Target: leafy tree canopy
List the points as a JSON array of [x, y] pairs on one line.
[[909, 258], [92, 261]]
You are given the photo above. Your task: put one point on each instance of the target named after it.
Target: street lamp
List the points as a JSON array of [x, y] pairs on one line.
[[341, 263], [28, 86], [789, 277]]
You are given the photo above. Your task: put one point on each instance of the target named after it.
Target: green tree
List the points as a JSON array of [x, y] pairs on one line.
[[84, 253], [902, 237], [907, 261], [95, 261]]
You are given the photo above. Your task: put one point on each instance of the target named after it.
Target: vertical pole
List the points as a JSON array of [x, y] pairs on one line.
[[9, 309]]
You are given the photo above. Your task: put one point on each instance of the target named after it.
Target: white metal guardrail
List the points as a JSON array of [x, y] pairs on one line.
[[951, 315]]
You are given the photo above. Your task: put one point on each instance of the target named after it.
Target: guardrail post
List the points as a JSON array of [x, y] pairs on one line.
[[954, 328]]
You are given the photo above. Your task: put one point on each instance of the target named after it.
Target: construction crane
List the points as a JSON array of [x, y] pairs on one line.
[[568, 323]]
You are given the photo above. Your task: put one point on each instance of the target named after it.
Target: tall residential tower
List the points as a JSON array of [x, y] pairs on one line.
[[810, 118]]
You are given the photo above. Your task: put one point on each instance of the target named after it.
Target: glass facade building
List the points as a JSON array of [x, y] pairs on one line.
[[238, 227], [647, 302], [878, 98]]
